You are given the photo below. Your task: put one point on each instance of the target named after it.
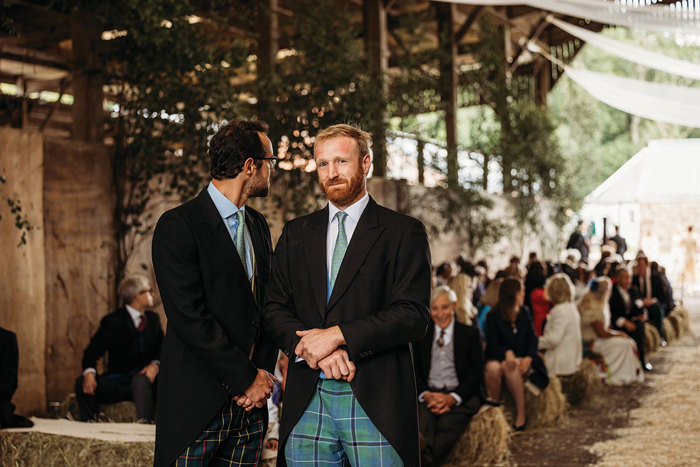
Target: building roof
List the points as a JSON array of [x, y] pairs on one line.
[[666, 171]]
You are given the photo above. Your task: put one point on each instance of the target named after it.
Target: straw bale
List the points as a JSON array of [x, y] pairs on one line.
[[544, 410], [669, 331], [652, 338], [121, 412], [677, 323], [584, 385], [40, 449], [683, 313], [484, 442]]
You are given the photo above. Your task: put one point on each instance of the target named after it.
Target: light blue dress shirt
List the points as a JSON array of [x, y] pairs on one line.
[[227, 211]]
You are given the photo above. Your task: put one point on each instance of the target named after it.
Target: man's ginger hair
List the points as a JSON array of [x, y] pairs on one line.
[[363, 139]]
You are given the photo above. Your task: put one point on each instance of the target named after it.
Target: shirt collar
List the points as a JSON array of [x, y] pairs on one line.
[[224, 205], [134, 313], [354, 211]]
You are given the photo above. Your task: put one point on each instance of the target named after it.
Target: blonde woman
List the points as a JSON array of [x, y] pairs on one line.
[[619, 351], [561, 338]]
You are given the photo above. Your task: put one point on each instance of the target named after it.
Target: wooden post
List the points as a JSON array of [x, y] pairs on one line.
[[88, 115], [421, 162], [448, 88], [268, 38], [376, 49]]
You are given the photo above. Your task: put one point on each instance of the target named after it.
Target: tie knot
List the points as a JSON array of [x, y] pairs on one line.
[[341, 215], [240, 216]]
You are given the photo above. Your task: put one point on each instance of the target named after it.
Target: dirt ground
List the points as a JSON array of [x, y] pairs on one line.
[[654, 423]]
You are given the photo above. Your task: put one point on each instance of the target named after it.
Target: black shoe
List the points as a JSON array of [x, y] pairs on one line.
[[492, 403], [20, 421], [664, 343], [519, 428], [648, 367]]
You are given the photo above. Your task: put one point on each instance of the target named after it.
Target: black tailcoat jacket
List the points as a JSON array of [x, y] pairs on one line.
[[380, 301], [213, 319]]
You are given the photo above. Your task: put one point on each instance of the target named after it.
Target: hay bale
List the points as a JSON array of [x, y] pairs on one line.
[[121, 412], [546, 409], [684, 315], [677, 323], [34, 448], [669, 331], [652, 338], [484, 442], [584, 385]]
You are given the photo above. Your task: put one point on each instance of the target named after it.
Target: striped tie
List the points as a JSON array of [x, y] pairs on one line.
[[341, 244], [240, 237]]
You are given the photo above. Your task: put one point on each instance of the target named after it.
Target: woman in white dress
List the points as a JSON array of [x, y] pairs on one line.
[[618, 350], [561, 338]]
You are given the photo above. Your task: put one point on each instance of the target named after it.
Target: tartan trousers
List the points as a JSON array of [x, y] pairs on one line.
[[234, 437], [335, 430]]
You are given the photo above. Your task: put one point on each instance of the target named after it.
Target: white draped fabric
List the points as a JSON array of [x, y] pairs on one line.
[[630, 52], [655, 101], [652, 17]]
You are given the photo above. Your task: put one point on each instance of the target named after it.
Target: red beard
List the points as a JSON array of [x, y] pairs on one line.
[[341, 191]]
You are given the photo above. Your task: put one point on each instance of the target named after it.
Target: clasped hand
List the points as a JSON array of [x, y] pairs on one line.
[[258, 392], [319, 348], [438, 402]]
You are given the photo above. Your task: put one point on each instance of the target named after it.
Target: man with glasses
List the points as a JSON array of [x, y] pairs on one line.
[[211, 257], [131, 338]]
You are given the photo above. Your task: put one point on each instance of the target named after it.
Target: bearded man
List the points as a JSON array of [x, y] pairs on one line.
[[212, 257], [349, 292]]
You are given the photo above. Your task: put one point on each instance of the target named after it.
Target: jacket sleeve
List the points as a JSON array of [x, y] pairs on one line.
[[553, 330], [98, 345], [495, 347], [279, 316], [176, 264], [418, 362], [406, 320], [469, 386], [531, 337], [9, 361]]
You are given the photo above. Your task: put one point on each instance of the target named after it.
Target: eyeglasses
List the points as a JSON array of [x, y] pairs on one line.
[[273, 160]]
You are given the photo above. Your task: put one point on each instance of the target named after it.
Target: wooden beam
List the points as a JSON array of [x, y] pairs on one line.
[[448, 85], [533, 35], [473, 18], [88, 116]]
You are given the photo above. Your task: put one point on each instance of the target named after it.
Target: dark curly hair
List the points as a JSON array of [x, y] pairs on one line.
[[233, 144]]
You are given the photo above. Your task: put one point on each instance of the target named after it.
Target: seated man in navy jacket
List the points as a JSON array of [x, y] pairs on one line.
[[131, 337], [449, 365], [627, 313]]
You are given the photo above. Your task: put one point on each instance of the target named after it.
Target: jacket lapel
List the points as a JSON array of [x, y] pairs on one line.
[[222, 239], [366, 234], [258, 246], [315, 252]]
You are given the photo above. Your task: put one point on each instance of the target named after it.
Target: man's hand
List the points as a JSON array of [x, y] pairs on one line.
[[525, 363], [258, 392], [648, 301], [438, 402], [338, 366], [316, 344], [151, 371], [629, 325], [89, 383]]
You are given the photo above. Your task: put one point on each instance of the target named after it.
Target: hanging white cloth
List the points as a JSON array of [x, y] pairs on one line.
[[664, 18], [655, 101], [630, 52]]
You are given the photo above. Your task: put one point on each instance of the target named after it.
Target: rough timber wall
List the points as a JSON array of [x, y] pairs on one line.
[[80, 244], [22, 291]]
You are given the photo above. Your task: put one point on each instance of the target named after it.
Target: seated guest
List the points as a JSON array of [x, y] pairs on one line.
[[9, 364], [488, 301], [534, 295], [462, 284], [131, 337], [511, 349], [625, 313], [562, 332], [653, 294], [618, 351], [449, 375], [582, 280]]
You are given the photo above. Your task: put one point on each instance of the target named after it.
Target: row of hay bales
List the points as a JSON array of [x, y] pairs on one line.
[[486, 440]]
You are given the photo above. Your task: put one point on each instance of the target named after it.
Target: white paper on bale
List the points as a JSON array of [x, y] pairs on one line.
[[655, 101], [630, 52], [663, 18]]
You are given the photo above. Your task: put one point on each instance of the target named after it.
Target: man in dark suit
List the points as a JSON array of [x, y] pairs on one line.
[[9, 365], [211, 257], [449, 364], [579, 241], [349, 292], [626, 314], [131, 338], [620, 242], [652, 293]]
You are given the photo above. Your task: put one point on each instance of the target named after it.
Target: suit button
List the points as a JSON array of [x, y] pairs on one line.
[[254, 323]]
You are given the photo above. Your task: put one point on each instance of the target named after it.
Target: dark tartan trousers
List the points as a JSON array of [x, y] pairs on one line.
[[233, 437]]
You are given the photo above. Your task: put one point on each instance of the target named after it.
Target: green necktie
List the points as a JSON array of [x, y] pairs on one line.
[[240, 237], [341, 244]]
